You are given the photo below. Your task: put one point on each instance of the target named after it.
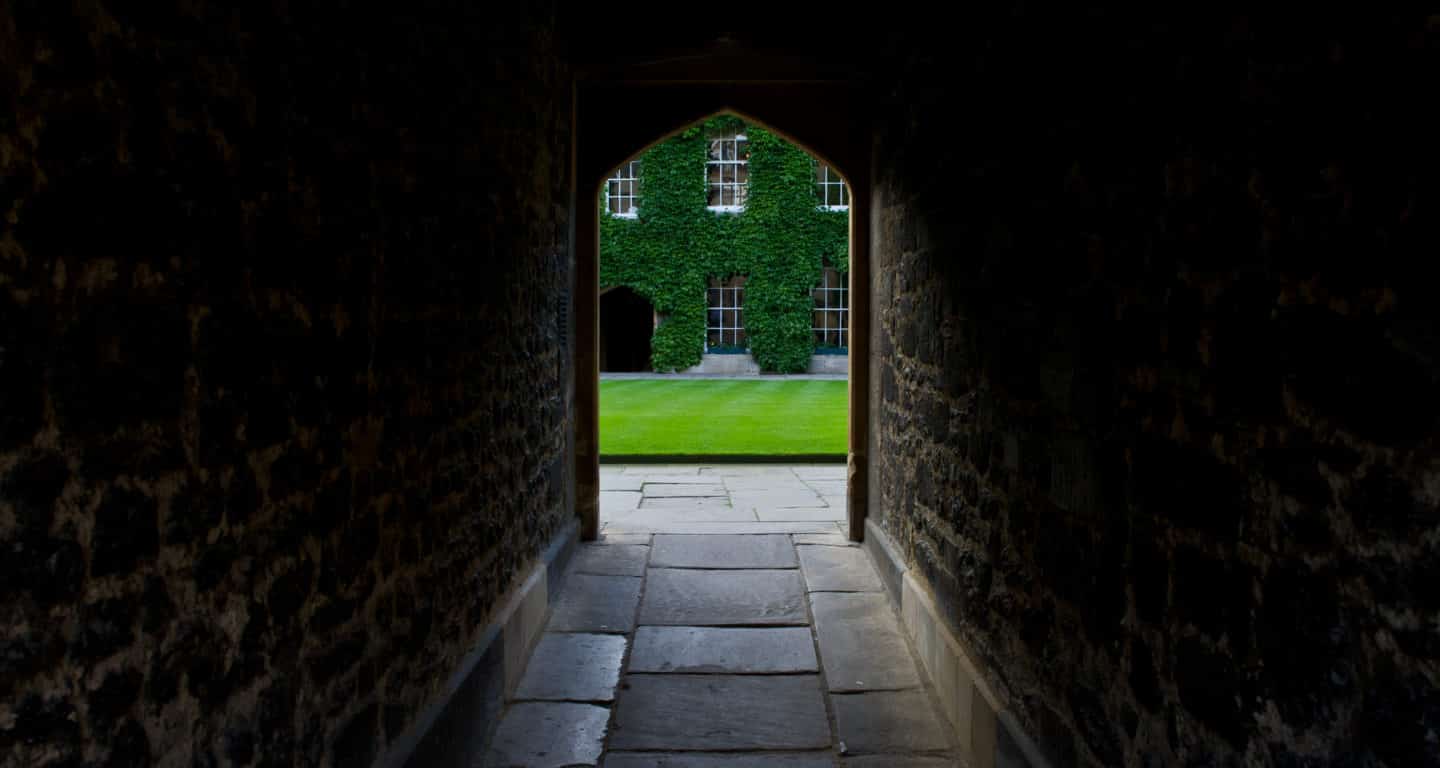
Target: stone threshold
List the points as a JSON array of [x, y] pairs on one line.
[[446, 732], [986, 732]]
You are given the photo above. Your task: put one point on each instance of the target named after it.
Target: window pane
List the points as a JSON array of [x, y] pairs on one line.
[[741, 193], [715, 149], [714, 197], [739, 337], [742, 172]]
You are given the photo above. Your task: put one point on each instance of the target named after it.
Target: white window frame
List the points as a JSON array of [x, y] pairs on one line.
[[628, 171], [828, 182], [739, 190], [732, 298], [831, 302]]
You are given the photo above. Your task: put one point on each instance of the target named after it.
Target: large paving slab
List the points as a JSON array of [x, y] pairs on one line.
[[660, 490], [616, 481], [820, 471], [717, 598], [623, 538], [775, 499], [549, 734], [723, 551], [593, 603], [747, 650], [749, 470], [836, 539], [888, 721], [619, 501], [655, 519], [761, 483], [800, 514], [662, 469], [861, 646], [827, 487], [670, 523], [573, 667], [692, 503], [838, 569], [721, 712], [612, 559], [718, 760]]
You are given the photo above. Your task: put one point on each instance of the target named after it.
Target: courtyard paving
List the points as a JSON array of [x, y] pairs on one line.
[[722, 619]]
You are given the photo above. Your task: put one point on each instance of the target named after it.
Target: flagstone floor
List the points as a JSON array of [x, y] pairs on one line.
[[722, 619]]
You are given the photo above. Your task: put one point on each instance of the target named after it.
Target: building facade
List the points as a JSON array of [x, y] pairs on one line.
[[724, 249]]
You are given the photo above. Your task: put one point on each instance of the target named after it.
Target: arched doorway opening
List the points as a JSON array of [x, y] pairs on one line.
[[626, 321], [621, 118]]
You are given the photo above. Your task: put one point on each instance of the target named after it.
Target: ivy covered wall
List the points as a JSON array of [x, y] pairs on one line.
[[781, 241]]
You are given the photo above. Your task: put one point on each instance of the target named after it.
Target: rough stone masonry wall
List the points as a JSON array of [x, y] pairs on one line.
[[281, 382], [1158, 400]]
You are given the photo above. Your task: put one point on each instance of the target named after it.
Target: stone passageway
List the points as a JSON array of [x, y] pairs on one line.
[[722, 619]]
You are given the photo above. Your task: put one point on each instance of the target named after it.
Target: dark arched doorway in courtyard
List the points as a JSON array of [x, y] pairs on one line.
[[626, 322]]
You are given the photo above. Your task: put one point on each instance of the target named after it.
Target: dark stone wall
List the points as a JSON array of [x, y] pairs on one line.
[[283, 386], [1159, 369]]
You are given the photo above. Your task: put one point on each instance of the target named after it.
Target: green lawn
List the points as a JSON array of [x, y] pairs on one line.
[[722, 417]]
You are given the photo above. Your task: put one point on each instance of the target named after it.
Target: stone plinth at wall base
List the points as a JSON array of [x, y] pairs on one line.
[[988, 735], [726, 365], [456, 728], [839, 364]]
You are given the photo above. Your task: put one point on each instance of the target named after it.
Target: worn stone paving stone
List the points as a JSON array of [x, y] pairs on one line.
[[664, 490], [888, 721], [861, 646], [762, 483], [593, 603], [649, 518], [612, 559], [573, 667], [837, 502], [549, 734], [836, 539], [621, 482], [619, 501], [820, 471], [838, 569], [662, 469], [800, 514], [700, 712], [670, 523], [897, 761], [623, 538], [678, 597], [748, 650], [827, 489], [692, 503], [719, 760], [749, 470], [723, 551], [766, 500]]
